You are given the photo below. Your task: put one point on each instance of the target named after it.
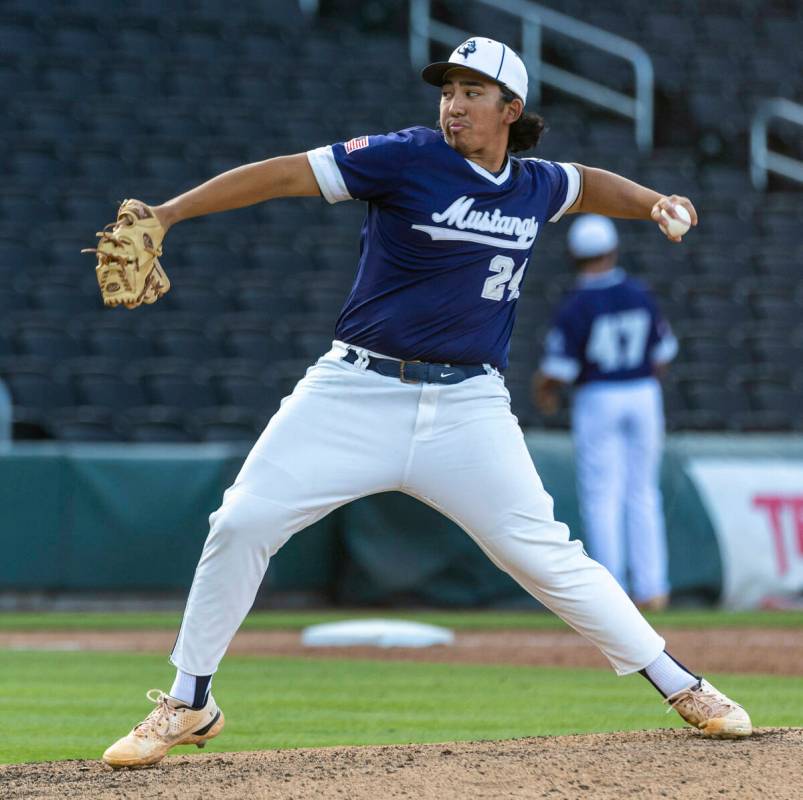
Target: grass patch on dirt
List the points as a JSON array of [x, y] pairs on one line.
[[458, 620], [58, 705]]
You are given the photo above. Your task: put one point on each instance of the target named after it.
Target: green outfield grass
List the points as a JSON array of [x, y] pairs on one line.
[[58, 705], [459, 620]]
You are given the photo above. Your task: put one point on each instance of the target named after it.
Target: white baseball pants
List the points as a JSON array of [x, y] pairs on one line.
[[346, 432], [618, 437]]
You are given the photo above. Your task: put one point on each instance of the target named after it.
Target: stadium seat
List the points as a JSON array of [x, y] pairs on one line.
[[774, 347], [713, 352], [92, 207], [173, 382], [63, 298], [196, 297], [780, 313], [20, 35], [105, 126], [99, 382], [202, 39], [707, 305], [763, 421], [73, 33], [100, 164], [115, 342], [265, 296], [60, 75], [35, 163], [15, 296], [177, 340], [48, 118], [245, 383], [245, 121], [694, 420], [774, 397], [164, 159], [250, 336], [48, 341], [716, 398], [24, 206], [156, 424], [83, 424], [33, 385], [15, 254], [225, 424], [6, 344], [297, 326], [14, 70], [286, 374], [674, 400], [713, 261], [126, 77], [209, 256], [191, 80]]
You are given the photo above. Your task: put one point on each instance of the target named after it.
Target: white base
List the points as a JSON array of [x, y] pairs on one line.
[[375, 633]]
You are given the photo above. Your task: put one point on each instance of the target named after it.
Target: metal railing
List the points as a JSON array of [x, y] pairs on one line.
[[534, 20], [764, 160]]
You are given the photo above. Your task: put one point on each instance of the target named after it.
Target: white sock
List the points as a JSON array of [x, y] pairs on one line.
[[191, 689], [669, 676]]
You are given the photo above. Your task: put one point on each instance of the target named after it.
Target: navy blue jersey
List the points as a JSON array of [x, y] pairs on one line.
[[444, 246], [607, 328]]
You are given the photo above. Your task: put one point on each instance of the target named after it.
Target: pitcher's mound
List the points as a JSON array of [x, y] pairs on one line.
[[613, 766]]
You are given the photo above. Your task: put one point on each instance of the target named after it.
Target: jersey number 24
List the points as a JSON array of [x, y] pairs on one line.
[[495, 285]]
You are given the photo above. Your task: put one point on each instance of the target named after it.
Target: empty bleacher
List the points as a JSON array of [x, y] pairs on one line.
[[148, 105]]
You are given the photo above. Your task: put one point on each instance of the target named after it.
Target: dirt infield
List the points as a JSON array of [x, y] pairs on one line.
[[770, 651], [649, 764]]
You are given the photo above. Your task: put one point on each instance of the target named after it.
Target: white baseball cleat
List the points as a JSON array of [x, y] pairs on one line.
[[171, 723], [703, 707]]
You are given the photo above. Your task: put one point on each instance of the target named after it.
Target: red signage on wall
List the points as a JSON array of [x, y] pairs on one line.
[[783, 512]]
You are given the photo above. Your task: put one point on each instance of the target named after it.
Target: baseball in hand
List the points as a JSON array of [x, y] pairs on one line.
[[677, 227]]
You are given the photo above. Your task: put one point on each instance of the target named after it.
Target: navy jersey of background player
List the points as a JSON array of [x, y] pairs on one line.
[[607, 328], [444, 246]]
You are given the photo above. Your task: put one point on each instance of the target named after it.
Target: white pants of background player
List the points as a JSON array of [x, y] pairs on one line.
[[346, 432], [618, 437]]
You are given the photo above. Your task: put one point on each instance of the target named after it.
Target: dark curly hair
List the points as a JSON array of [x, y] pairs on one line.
[[525, 132]]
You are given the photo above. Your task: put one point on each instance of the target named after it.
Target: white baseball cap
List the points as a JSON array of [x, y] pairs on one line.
[[493, 59], [592, 235]]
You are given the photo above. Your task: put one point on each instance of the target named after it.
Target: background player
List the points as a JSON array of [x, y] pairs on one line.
[[609, 339], [410, 396]]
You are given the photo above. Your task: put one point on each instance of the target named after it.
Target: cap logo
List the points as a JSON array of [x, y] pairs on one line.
[[466, 49]]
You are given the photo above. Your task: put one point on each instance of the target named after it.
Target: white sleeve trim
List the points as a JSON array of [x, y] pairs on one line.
[[572, 190], [327, 173], [560, 368], [665, 350]]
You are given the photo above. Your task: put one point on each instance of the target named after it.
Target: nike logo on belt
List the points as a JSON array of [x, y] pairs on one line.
[[446, 374]]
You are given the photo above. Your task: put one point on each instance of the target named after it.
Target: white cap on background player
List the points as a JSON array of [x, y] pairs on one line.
[[592, 235], [491, 58]]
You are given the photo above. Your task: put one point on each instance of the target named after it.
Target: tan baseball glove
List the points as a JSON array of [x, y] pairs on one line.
[[128, 268]]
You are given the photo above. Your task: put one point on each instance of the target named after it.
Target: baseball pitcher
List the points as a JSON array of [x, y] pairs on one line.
[[411, 396]]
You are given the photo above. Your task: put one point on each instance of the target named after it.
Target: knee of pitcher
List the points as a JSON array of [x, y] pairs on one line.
[[250, 525], [545, 558]]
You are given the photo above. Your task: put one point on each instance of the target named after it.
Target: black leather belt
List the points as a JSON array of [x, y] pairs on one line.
[[419, 371]]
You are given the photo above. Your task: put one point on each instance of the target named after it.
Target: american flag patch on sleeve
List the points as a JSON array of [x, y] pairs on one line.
[[356, 144]]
